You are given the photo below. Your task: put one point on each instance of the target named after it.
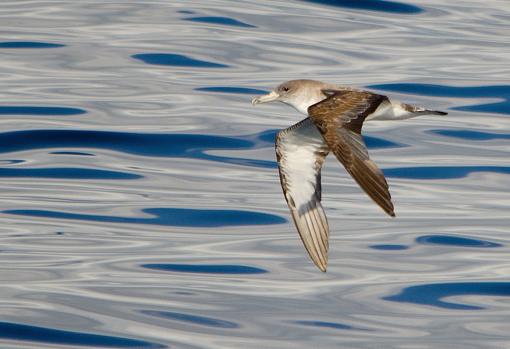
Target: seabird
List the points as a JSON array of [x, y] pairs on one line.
[[335, 118]]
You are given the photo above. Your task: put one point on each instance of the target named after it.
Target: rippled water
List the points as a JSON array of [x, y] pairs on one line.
[[140, 202]]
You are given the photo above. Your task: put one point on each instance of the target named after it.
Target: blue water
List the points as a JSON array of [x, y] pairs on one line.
[[180, 217], [28, 44], [433, 294], [176, 60], [389, 247], [325, 324], [39, 110], [38, 334], [372, 5], [206, 269], [141, 205], [442, 172], [66, 172], [220, 20], [78, 153], [471, 135], [458, 241]]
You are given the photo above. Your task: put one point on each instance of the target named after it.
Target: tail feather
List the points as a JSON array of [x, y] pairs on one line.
[[437, 112], [429, 112], [420, 110]]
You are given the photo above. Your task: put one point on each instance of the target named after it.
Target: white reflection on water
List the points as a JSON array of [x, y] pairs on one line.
[[147, 229]]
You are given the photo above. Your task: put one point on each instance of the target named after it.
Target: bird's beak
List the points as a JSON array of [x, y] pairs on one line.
[[272, 96]]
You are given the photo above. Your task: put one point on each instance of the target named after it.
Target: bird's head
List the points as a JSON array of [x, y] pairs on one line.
[[299, 94], [283, 93]]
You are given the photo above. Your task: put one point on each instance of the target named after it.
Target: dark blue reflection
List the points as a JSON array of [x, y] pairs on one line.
[[188, 12], [372, 5], [144, 144], [194, 319], [388, 247], [65, 173], [501, 92], [176, 60], [207, 268], [454, 241], [268, 137], [78, 153], [442, 172], [471, 135], [326, 324], [378, 143], [432, 294], [39, 110], [220, 20], [176, 217], [21, 332], [28, 44], [232, 89]]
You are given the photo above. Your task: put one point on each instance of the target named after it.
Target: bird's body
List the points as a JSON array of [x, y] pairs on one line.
[[335, 119]]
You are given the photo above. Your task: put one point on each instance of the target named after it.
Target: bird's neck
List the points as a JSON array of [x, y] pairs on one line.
[[303, 102]]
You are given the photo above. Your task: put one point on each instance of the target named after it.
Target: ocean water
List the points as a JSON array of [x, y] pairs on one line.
[[140, 201]]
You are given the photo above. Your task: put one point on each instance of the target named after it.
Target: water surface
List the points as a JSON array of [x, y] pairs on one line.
[[140, 200]]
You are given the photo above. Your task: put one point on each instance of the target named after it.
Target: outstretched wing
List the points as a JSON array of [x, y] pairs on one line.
[[300, 151], [339, 118]]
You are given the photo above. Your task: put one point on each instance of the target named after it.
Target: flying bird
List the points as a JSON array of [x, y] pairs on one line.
[[335, 119]]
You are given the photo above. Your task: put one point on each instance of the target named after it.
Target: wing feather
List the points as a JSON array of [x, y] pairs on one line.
[[339, 119], [300, 151]]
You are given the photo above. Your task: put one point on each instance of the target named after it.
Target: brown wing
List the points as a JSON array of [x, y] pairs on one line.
[[340, 118], [300, 150]]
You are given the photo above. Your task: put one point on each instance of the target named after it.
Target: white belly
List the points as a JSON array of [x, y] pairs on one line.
[[389, 110]]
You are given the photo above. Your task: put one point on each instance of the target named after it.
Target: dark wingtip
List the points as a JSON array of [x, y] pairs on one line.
[[437, 112], [322, 267]]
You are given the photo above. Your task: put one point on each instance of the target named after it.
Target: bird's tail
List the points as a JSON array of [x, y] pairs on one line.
[[400, 111], [421, 111]]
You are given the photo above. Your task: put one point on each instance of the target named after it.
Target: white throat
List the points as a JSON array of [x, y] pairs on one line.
[[303, 101]]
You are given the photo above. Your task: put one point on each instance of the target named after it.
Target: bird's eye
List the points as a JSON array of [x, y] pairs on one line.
[[286, 89]]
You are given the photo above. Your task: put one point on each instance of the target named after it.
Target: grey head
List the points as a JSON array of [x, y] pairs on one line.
[[299, 94]]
